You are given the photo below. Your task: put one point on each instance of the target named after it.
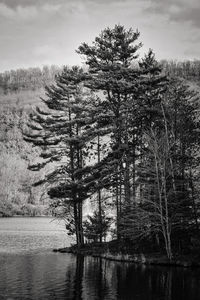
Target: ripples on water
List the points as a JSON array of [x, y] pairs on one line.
[[41, 274], [29, 234]]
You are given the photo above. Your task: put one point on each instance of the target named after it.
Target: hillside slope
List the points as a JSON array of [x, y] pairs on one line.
[[17, 196]]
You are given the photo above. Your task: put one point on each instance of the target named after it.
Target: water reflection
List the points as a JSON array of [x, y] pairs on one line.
[[62, 276], [99, 279]]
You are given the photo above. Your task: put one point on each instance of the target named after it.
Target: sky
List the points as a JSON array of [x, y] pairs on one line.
[[44, 32]]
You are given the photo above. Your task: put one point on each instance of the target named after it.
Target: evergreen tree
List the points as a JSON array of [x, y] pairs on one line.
[[112, 76], [95, 229], [60, 133], [126, 129]]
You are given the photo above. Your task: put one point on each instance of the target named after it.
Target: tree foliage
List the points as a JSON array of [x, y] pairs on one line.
[[124, 127]]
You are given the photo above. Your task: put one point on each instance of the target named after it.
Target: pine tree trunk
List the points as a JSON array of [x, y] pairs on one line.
[[76, 207], [76, 222], [99, 192], [80, 222], [117, 208], [127, 164], [133, 175], [193, 201]]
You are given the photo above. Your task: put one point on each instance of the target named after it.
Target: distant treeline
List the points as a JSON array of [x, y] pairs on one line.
[[189, 70], [35, 78], [27, 79]]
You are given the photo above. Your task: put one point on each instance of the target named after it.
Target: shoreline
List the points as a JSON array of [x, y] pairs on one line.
[[139, 258]]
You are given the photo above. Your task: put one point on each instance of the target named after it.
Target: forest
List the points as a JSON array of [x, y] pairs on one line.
[[120, 136], [20, 91]]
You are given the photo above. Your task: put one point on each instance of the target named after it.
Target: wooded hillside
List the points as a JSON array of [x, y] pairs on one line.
[[20, 91]]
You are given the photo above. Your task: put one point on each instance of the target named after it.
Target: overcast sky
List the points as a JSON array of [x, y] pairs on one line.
[[39, 32]]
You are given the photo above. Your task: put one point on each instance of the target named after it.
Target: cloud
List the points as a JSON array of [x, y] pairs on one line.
[[26, 3], [22, 13], [29, 10], [15, 3], [49, 8], [178, 10], [5, 11]]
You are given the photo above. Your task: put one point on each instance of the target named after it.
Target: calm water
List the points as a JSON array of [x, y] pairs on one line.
[[30, 270]]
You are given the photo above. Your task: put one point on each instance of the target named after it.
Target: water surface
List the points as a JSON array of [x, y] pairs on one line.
[[30, 270], [26, 234]]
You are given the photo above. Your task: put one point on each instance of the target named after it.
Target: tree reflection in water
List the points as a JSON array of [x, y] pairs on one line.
[[64, 276], [98, 279]]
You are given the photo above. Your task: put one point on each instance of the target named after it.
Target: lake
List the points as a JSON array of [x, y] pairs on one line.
[[30, 270]]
